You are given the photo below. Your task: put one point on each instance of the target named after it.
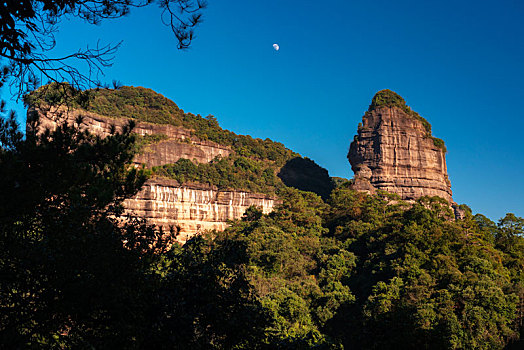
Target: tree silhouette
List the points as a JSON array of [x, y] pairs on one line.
[[27, 31], [73, 273]]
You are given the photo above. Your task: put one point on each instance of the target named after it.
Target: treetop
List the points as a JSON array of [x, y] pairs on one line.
[[387, 98]]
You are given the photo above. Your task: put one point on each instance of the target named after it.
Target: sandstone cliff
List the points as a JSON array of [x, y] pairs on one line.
[[394, 151], [176, 142], [191, 208], [203, 175]]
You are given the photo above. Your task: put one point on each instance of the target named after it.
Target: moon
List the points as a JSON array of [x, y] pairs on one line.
[[276, 47]]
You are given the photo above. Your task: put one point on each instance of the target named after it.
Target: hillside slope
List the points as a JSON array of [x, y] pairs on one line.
[[202, 175]]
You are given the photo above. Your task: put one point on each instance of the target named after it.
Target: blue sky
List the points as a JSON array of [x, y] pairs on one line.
[[458, 63]]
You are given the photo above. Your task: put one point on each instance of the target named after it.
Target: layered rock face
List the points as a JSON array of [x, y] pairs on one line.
[[189, 208], [192, 208], [395, 152], [176, 142]]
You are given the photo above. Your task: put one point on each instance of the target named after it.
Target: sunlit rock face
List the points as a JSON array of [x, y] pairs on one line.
[[187, 208], [192, 208], [177, 142], [394, 152]]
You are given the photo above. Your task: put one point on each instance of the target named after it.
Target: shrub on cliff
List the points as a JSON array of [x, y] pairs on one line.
[[230, 173], [439, 143], [148, 106], [388, 98], [237, 172]]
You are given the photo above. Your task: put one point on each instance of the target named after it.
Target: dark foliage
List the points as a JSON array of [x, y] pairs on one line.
[[231, 173], [72, 275], [305, 175], [205, 300]]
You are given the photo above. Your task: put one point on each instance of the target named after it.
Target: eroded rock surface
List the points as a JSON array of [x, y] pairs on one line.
[[176, 142], [191, 208], [194, 207], [394, 152]]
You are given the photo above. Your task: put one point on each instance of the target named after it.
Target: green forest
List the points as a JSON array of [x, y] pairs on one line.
[[328, 268], [348, 270]]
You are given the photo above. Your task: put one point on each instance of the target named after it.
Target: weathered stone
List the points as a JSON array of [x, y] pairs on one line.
[[178, 142], [394, 152], [191, 208]]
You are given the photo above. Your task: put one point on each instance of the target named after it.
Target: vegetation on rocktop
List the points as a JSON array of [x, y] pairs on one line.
[[388, 98], [126, 102], [230, 173], [252, 166], [135, 102], [148, 106], [236, 172]]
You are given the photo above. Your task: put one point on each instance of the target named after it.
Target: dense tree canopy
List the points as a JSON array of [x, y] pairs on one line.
[[362, 273], [354, 271]]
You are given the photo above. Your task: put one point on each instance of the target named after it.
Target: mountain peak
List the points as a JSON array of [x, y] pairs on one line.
[[395, 151], [387, 98]]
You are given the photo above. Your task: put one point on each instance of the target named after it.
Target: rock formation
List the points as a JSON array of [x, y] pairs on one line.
[[175, 142], [305, 175], [394, 151], [190, 208]]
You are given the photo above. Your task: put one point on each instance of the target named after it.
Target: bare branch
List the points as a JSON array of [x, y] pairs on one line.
[[28, 28]]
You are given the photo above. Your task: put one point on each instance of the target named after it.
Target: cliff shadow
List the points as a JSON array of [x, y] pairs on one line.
[[306, 175]]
